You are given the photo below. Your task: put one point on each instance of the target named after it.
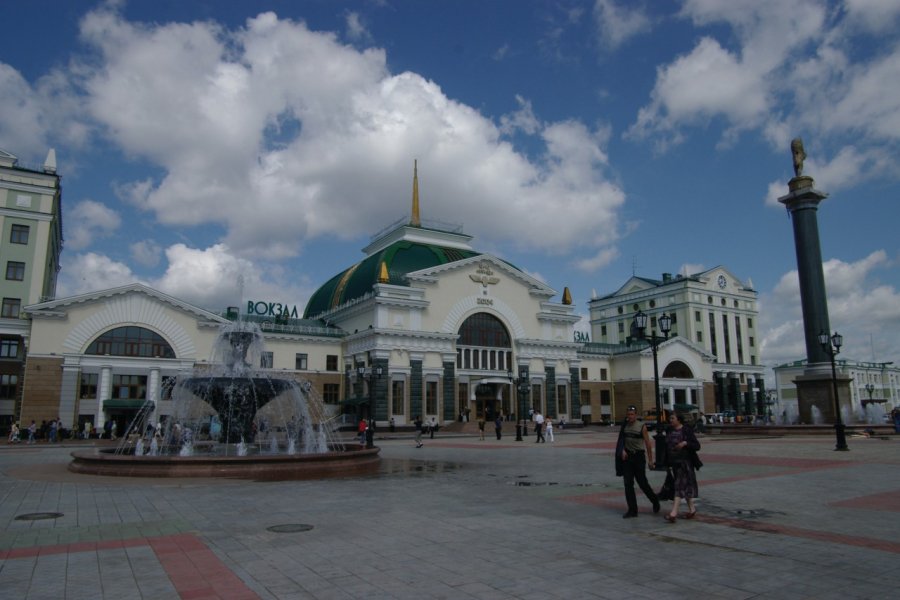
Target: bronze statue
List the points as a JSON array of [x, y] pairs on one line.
[[799, 155]]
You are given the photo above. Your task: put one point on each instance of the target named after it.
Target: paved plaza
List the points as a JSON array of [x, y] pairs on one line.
[[463, 518]]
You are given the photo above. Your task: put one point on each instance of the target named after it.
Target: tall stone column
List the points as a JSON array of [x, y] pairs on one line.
[[814, 387], [803, 203]]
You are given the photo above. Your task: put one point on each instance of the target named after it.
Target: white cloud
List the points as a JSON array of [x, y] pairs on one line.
[[594, 263], [356, 28], [254, 130], [523, 120], [861, 308], [146, 253], [617, 24], [738, 85], [87, 221], [88, 272], [875, 15]]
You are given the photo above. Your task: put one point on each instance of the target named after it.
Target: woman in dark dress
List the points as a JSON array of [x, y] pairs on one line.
[[683, 446]]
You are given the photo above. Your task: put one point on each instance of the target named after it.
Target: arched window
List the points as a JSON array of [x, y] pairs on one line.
[[483, 329], [484, 344], [131, 341], [678, 370]]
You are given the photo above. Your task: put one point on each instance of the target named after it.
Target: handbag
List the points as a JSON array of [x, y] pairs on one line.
[[667, 491], [695, 461]]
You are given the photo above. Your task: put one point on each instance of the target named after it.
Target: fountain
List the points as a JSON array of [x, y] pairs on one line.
[[233, 421]]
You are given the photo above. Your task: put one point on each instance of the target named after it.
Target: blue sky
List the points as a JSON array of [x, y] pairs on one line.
[[203, 143]]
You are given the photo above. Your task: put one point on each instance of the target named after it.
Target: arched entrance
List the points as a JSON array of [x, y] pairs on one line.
[[679, 387], [484, 357]]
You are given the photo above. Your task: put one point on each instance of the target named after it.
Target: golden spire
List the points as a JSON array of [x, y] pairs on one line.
[[414, 221], [567, 296], [383, 274]]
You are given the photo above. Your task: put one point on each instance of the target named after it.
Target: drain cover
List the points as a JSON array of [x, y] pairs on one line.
[[38, 516], [289, 528]]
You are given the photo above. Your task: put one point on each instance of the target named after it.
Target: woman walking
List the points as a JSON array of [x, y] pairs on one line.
[[683, 447]]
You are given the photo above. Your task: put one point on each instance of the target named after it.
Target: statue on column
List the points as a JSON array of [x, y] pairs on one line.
[[799, 155]]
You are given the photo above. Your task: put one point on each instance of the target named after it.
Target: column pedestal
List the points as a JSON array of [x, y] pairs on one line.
[[817, 390]]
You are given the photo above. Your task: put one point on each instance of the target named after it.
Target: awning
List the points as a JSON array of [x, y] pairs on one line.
[[355, 401], [126, 404]]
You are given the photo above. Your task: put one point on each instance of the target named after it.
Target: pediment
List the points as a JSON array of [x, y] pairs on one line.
[[487, 270]]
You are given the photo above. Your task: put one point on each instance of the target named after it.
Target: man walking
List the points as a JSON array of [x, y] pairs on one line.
[[633, 453], [539, 427]]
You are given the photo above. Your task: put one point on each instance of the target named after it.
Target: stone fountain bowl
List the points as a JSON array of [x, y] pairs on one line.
[[352, 461]]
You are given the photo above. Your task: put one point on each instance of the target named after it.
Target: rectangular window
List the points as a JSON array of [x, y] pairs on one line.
[[130, 387], [11, 307], [537, 399], [700, 336], [604, 374], [398, 397], [697, 316], [561, 400], [9, 348], [431, 397], [301, 362], [331, 393], [603, 330], [749, 323], [585, 397], [584, 374], [266, 360], [88, 386], [621, 326], [9, 385], [726, 338], [712, 336], [19, 234], [331, 362], [15, 271], [605, 398]]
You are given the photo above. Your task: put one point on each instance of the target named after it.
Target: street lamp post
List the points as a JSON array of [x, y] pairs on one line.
[[639, 328], [522, 389], [832, 345], [371, 375]]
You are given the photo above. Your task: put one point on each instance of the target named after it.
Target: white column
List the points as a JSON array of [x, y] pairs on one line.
[[153, 392], [104, 392]]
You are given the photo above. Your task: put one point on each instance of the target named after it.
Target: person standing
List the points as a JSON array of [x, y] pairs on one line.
[[548, 425], [633, 453], [481, 428], [420, 427], [31, 431], [498, 426], [360, 431], [432, 427], [539, 427], [683, 446]]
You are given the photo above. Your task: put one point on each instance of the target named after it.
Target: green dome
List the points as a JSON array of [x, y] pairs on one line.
[[401, 257]]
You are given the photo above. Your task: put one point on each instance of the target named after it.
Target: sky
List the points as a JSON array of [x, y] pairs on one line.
[[226, 150]]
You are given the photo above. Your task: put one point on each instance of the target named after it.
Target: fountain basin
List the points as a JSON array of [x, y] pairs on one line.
[[352, 461]]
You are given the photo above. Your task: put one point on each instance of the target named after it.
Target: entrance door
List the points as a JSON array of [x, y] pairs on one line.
[[486, 402]]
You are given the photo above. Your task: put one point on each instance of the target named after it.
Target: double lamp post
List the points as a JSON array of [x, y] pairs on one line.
[[522, 388], [639, 330], [371, 375]]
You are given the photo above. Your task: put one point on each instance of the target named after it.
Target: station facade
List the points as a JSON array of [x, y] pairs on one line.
[[424, 325]]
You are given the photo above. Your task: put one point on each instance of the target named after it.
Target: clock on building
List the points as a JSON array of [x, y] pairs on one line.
[[722, 281]]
